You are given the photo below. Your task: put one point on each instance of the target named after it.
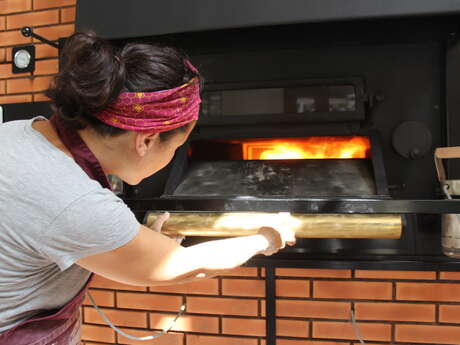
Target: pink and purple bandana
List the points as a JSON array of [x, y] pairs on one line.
[[157, 111]]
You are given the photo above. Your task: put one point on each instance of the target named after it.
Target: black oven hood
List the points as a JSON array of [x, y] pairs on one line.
[[141, 18]]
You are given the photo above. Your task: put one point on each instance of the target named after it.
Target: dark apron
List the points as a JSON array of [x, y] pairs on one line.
[[61, 327]]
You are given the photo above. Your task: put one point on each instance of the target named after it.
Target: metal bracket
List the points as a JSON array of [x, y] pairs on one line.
[[27, 32]]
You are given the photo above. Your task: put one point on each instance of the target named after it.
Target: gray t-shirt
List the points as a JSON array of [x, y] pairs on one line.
[[51, 215]]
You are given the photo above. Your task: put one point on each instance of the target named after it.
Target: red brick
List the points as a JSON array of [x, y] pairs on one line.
[[6, 71], [41, 4], [102, 298], [166, 339], [46, 67], [15, 99], [292, 288], [449, 313], [33, 19], [8, 54], [13, 38], [241, 272], [383, 274], [222, 306], [307, 342], [55, 32], [23, 85], [148, 301], [312, 272], [243, 287], [450, 275], [97, 333], [2, 23], [104, 283], [204, 287], [428, 292], [12, 6], [344, 330], [45, 51], [67, 14], [313, 309], [2, 87], [428, 334], [193, 339], [185, 323], [40, 97], [263, 306], [396, 312], [2, 55], [352, 290], [250, 327], [117, 317], [292, 328]]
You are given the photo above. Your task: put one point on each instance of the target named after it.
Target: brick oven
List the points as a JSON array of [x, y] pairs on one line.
[[309, 111], [281, 81]]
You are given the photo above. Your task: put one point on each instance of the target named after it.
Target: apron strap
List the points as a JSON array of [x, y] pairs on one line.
[[80, 151]]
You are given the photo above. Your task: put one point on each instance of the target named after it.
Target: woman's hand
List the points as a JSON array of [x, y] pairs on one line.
[[278, 236], [158, 225], [159, 221]]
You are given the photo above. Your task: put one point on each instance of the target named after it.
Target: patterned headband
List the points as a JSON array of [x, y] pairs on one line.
[[157, 111]]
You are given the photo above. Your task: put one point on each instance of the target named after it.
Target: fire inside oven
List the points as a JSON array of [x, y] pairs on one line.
[[306, 148]]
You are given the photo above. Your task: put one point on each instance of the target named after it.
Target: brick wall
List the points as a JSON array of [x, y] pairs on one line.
[[313, 306], [49, 18]]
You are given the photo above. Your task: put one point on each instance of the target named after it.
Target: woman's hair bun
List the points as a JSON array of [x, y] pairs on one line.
[[90, 77]]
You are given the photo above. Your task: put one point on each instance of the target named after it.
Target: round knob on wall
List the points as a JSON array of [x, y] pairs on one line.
[[412, 139], [26, 31]]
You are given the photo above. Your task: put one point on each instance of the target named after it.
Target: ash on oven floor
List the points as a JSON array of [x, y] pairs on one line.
[[287, 178]]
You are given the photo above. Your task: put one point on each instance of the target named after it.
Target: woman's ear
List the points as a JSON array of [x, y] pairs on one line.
[[145, 141]]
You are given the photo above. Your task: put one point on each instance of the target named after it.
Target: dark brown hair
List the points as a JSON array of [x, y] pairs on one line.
[[93, 73]]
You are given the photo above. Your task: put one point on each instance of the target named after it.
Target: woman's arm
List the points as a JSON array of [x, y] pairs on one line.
[[154, 259]]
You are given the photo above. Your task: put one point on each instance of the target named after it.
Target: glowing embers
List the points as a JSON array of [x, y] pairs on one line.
[[307, 148]]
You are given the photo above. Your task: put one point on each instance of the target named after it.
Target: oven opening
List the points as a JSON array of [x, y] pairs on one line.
[[333, 166], [324, 147]]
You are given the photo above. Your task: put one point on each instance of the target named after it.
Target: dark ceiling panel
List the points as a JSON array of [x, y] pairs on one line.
[[123, 19]]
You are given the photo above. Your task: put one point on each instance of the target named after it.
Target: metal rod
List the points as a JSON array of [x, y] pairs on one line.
[[27, 32], [295, 205], [359, 261], [217, 224]]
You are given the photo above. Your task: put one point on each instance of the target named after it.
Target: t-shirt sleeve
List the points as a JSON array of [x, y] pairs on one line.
[[96, 222]]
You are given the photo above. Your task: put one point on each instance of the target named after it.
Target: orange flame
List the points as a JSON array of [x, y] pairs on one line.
[[308, 148]]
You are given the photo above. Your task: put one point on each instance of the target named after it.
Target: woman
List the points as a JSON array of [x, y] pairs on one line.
[[122, 113]]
